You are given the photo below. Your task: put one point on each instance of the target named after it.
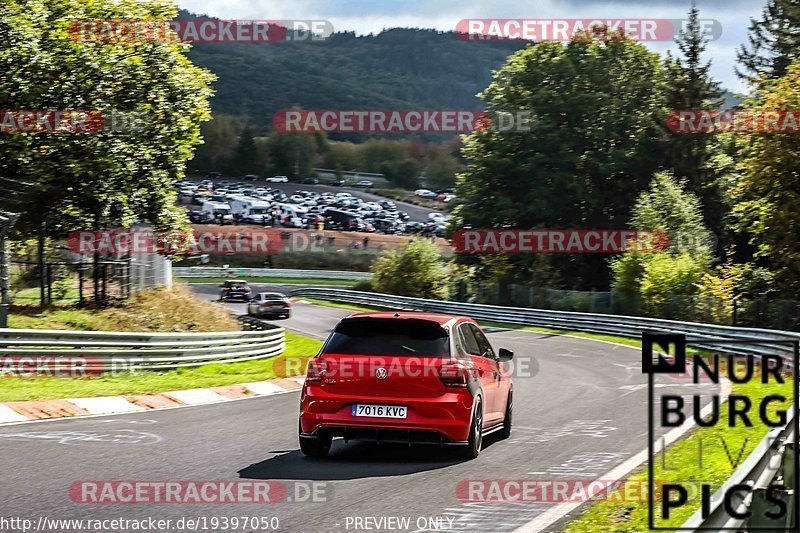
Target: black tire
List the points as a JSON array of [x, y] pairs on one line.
[[506, 431], [318, 446], [475, 439]]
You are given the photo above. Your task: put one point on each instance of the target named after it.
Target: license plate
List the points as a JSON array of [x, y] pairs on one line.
[[380, 411]]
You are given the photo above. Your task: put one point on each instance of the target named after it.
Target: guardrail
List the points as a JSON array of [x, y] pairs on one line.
[[217, 272], [758, 470], [100, 351], [624, 326]]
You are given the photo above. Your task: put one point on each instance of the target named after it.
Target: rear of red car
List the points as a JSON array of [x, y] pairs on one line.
[[390, 377]]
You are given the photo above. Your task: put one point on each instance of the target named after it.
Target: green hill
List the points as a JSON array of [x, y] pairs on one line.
[[395, 69]]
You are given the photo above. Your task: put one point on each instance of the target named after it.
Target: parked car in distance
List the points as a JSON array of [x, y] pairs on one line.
[[310, 181], [337, 183], [429, 378], [278, 179], [199, 217], [363, 184], [217, 210], [272, 304], [249, 177], [200, 197], [235, 289]]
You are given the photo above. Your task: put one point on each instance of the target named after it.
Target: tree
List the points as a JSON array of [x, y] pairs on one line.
[[415, 271], [665, 207], [344, 156], [773, 41], [597, 139], [246, 157], [290, 154], [690, 88], [768, 193], [403, 174], [219, 143], [106, 178], [440, 172]]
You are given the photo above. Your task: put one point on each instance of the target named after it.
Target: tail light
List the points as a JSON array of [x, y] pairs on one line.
[[454, 374], [317, 368]]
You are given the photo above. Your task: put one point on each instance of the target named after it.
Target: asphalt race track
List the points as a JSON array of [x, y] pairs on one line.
[[579, 413]]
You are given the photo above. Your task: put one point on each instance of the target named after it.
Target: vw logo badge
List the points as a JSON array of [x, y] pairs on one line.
[[381, 373]]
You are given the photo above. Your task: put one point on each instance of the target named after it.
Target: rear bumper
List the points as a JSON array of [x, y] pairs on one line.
[[442, 419], [236, 296], [392, 435]]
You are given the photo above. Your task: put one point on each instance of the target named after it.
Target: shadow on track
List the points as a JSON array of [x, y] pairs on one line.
[[355, 461]]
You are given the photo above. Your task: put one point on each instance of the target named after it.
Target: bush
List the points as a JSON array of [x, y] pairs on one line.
[[166, 310], [416, 271], [364, 285]]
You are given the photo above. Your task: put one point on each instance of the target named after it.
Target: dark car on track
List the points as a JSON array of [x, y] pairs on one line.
[[408, 378], [235, 289]]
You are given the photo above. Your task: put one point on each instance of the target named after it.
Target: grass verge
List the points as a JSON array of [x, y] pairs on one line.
[[723, 448], [150, 382], [175, 310], [351, 307]]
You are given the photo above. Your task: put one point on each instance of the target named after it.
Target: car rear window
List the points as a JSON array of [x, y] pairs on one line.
[[235, 284], [409, 337]]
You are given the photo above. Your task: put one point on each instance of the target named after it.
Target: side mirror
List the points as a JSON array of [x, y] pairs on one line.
[[504, 355]]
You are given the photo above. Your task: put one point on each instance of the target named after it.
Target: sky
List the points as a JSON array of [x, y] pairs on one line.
[[372, 16]]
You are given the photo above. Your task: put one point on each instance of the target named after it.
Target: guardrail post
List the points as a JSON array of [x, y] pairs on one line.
[[787, 466], [6, 221], [760, 507]]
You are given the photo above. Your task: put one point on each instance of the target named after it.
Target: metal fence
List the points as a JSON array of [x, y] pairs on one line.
[[66, 283], [625, 326], [217, 272], [778, 314], [98, 352]]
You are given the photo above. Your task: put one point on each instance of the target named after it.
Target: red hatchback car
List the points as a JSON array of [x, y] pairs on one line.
[[406, 378]]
